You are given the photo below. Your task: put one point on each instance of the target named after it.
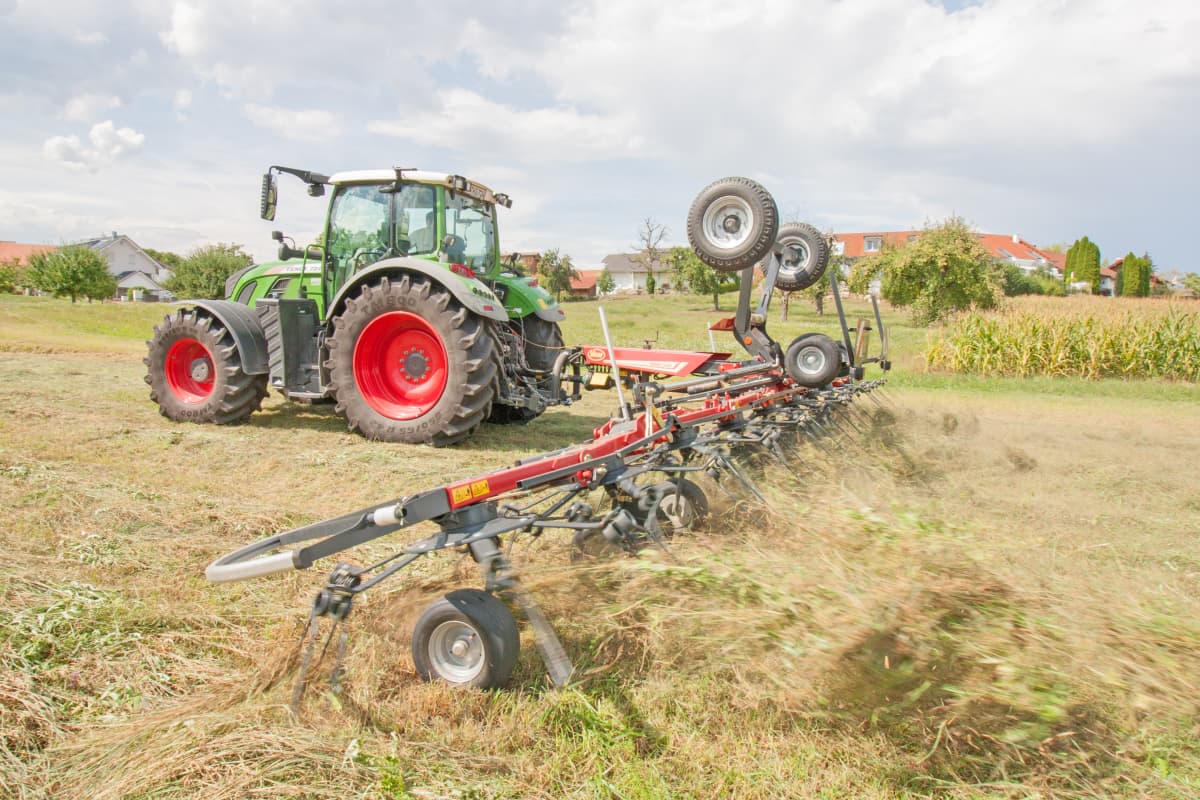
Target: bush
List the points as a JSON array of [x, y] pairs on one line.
[[12, 275], [204, 272]]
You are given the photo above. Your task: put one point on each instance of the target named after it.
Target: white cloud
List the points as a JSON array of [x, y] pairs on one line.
[[86, 107], [472, 123], [303, 125], [108, 143], [91, 37], [183, 99]]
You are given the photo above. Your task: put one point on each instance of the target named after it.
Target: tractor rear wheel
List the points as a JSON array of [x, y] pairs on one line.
[[195, 371], [467, 638], [409, 364], [805, 257], [732, 224], [541, 342]]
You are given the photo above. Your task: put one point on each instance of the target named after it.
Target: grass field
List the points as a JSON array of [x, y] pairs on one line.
[[990, 589]]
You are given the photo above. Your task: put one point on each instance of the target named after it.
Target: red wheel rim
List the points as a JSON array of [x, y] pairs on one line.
[[400, 365], [189, 371]]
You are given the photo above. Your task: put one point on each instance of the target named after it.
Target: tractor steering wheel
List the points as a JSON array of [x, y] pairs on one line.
[[364, 257]]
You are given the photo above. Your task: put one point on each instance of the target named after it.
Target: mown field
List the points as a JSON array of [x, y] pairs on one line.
[[987, 587]]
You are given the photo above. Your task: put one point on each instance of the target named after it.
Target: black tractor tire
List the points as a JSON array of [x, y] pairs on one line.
[[732, 224], [195, 371], [408, 364], [813, 360], [805, 257], [541, 341], [467, 638]]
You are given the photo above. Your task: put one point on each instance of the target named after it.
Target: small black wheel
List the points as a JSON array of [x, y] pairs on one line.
[[813, 360], [805, 257], [683, 507], [467, 638], [732, 224]]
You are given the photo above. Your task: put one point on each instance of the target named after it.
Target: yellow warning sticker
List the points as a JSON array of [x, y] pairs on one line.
[[460, 494], [480, 488]]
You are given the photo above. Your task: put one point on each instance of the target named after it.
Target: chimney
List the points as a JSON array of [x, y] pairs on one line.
[[1016, 239]]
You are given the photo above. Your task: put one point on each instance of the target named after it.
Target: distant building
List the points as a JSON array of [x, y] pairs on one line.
[[138, 275], [629, 276], [585, 284], [1012, 249]]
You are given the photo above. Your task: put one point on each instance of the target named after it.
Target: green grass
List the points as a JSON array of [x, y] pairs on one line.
[[990, 590]]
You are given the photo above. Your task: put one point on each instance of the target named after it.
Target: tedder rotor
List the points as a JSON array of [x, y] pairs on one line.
[[684, 415]]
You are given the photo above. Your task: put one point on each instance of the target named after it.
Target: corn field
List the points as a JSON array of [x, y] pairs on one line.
[[1088, 337]]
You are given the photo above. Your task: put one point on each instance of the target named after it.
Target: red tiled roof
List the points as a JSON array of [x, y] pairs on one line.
[[999, 245], [1111, 270], [1057, 259], [586, 280], [21, 252]]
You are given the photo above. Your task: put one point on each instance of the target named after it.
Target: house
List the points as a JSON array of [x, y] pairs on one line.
[[1012, 249], [585, 284], [1108, 277], [630, 275], [20, 253], [138, 274]]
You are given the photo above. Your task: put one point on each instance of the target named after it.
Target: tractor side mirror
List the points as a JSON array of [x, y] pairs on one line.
[[270, 195]]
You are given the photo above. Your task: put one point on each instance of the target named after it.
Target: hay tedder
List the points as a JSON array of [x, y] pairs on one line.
[[683, 415]]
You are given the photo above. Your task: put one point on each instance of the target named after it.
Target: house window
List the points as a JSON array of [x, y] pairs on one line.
[[1005, 253], [872, 244], [912, 237]]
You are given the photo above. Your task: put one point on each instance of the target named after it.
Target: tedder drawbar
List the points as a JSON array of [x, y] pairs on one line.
[[686, 414]]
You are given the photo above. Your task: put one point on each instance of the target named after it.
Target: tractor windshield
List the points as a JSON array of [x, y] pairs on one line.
[[470, 222]]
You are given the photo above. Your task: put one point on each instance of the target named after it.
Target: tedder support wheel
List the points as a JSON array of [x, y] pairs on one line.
[[813, 360], [682, 508], [732, 224], [805, 257], [409, 364], [195, 371], [467, 638]]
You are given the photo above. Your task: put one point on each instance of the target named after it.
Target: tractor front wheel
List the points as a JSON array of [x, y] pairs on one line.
[[409, 364], [195, 372]]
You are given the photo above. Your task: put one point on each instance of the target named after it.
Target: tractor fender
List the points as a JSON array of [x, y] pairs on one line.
[[553, 314], [243, 325], [474, 294]]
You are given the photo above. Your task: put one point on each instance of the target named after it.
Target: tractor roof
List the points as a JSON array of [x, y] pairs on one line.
[[455, 182]]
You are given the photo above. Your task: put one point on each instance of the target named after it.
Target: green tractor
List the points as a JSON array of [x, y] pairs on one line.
[[404, 315]]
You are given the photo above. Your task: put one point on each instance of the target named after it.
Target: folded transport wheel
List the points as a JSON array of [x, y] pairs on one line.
[[467, 638], [409, 364], [732, 224], [195, 371], [813, 360], [805, 257]]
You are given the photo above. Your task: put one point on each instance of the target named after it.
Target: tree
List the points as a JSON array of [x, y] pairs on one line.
[[1133, 279], [651, 284], [12, 275], [688, 270], [556, 272], [1083, 264], [605, 282], [1192, 281], [204, 272], [946, 269], [73, 271], [168, 259]]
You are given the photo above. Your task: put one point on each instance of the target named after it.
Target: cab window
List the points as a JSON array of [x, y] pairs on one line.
[[470, 222]]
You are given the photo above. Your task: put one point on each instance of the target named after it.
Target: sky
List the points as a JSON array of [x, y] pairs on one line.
[[1048, 119]]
